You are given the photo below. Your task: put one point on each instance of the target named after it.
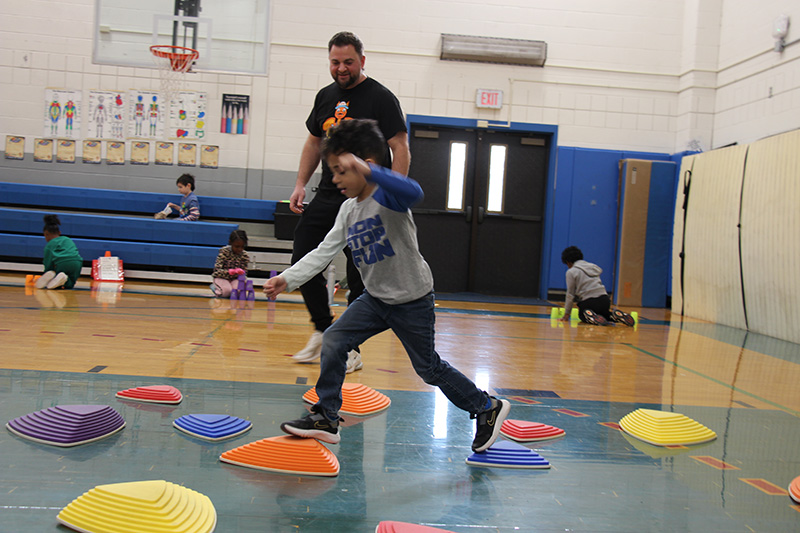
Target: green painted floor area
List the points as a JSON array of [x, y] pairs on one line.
[[405, 464]]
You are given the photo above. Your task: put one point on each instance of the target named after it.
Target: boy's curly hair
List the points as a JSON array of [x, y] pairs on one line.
[[360, 137], [571, 254]]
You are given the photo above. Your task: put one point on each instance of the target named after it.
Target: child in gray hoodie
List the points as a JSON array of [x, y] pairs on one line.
[[586, 290]]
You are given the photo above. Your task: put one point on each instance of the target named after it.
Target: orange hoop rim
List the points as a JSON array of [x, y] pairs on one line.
[[180, 57]]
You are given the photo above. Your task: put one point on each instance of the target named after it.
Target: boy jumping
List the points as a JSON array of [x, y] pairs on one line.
[[377, 225]]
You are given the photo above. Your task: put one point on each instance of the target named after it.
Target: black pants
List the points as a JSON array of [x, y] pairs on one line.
[[601, 305], [317, 220]]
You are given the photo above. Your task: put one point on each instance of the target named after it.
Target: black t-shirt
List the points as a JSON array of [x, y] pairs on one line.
[[368, 99]]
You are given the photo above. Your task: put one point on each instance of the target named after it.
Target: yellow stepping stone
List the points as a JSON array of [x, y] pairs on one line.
[[662, 428]]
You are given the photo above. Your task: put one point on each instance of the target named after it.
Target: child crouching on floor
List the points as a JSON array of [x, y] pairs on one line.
[[231, 262]]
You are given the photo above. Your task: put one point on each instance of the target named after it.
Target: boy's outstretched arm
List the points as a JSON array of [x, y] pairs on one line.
[[274, 286]]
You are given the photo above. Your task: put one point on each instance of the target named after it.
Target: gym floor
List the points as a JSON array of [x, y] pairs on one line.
[[406, 463]]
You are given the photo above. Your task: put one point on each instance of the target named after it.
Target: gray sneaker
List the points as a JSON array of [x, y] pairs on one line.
[[313, 426]]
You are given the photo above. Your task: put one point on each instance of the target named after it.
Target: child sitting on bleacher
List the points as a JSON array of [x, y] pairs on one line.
[[231, 261], [189, 210], [62, 262]]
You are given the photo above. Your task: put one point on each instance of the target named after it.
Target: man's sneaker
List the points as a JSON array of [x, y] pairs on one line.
[[354, 362], [623, 317], [57, 281], [313, 426], [594, 318], [44, 279], [488, 425], [312, 350]]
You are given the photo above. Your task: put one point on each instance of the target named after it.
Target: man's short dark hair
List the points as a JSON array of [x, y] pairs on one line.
[[571, 254], [186, 179], [344, 38], [360, 136]]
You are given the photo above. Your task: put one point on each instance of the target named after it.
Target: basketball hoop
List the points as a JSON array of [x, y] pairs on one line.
[[173, 62]]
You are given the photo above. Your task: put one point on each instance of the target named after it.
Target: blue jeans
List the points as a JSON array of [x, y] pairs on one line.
[[412, 322]]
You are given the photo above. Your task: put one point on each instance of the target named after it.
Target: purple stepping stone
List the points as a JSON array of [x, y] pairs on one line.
[[68, 425]]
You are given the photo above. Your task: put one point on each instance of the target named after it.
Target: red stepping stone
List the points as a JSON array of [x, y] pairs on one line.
[[286, 454], [524, 431], [152, 394], [390, 526], [357, 399]]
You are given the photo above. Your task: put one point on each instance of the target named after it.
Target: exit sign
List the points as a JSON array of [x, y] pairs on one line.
[[490, 98]]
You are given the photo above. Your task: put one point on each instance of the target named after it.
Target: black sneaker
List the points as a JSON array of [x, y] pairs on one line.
[[622, 317], [313, 426], [594, 318], [488, 425]]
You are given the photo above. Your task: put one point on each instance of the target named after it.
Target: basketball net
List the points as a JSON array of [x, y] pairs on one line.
[[173, 62]]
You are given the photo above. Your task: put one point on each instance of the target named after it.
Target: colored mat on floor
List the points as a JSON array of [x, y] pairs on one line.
[[357, 399], [662, 428], [212, 427], [152, 393], [505, 454], [285, 454], [524, 431], [142, 506], [68, 425], [391, 526]]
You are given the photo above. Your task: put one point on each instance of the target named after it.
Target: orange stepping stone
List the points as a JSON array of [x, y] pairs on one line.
[[357, 399], [391, 526], [152, 394], [285, 454], [524, 431], [794, 489]]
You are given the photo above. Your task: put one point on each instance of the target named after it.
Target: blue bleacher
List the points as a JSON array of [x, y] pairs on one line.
[[113, 201]]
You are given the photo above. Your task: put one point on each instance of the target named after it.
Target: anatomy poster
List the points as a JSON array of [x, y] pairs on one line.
[[105, 115], [146, 114], [187, 115], [235, 114], [62, 113]]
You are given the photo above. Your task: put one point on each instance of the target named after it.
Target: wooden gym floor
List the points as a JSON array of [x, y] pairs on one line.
[[407, 463]]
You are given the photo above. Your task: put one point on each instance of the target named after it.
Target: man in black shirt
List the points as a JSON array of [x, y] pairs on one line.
[[351, 95]]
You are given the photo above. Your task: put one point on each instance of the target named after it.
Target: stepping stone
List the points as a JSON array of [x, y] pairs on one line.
[[524, 431], [505, 454], [285, 454], [357, 399], [152, 394], [663, 428], [140, 506], [68, 425], [212, 427], [794, 489], [403, 527]]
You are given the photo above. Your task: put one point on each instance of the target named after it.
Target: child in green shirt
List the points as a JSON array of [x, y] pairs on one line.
[[62, 262]]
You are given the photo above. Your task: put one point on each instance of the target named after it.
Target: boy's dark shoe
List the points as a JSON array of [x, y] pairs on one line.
[[488, 425], [313, 426], [594, 318], [622, 317]]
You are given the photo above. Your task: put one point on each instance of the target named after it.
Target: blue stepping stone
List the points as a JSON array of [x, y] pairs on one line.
[[505, 454], [212, 427]]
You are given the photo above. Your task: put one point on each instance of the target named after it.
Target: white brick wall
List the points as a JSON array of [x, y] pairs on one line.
[[650, 75]]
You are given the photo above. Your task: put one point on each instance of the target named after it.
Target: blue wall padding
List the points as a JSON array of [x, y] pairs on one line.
[[658, 243], [24, 194], [119, 227]]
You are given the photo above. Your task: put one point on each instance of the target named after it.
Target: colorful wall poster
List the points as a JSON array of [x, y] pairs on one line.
[[115, 153], [235, 114], [187, 115], [164, 153], [146, 114], [187, 155], [92, 152], [106, 115], [62, 113], [65, 151], [15, 147], [209, 156], [43, 150], [140, 153]]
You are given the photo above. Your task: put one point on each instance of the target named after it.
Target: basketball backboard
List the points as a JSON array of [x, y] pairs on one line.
[[231, 36]]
